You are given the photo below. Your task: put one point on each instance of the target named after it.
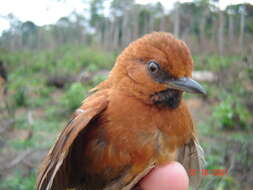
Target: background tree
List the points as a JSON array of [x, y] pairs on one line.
[[200, 23]]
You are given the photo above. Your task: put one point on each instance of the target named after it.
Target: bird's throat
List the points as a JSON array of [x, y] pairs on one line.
[[167, 98]]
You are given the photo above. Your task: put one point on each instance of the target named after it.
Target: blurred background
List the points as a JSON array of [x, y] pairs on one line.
[[53, 51]]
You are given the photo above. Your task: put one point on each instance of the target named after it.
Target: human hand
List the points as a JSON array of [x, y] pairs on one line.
[[169, 177]]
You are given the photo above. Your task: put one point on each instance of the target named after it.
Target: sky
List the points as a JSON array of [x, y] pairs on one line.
[[43, 12]]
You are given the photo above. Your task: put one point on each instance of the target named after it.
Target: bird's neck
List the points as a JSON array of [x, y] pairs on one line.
[[168, 98]]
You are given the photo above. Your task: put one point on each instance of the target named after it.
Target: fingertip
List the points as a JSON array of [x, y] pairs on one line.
[[172, 176]]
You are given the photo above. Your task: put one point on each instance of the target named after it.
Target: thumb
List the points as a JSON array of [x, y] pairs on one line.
[[168, 177]]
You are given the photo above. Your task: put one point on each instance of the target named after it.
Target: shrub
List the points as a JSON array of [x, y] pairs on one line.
[[231, 113], [73, 96], [20, 97]]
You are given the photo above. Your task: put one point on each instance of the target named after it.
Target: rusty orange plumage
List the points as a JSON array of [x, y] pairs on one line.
[[132, 122]]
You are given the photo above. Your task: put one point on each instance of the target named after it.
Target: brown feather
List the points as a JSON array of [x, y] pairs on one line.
[[191, 156], [49, 173]]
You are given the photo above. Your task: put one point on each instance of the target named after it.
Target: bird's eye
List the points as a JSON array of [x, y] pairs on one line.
[[153, 67]]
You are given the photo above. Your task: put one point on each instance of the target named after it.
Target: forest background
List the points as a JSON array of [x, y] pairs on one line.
[[47, 70]]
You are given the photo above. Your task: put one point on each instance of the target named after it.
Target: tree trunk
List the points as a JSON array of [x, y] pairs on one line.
[[221, 32], [176, 21], [231, 28], [146, 25], [135, 21], [242, 23], [125, 29], [116, 30], [162, 23], [202, 27]]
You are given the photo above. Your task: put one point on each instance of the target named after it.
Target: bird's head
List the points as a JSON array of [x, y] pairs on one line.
[[156, 68]]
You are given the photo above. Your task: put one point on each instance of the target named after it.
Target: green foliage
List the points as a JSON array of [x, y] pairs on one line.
[[19, 182], [97, 79], [20, 97], [96, 7], [214, 62], [250, 70], [21, 144], [28, 71], [228, 182], [220, 183], [73, 96], [231, 113]]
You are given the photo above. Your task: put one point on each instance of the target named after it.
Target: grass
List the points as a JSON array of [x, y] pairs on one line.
[[228, 118], [50, 107]]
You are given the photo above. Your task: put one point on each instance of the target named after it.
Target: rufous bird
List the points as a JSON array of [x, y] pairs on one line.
[[132, 122]]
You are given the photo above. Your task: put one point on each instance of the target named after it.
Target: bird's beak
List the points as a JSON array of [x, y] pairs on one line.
[[187, 85]]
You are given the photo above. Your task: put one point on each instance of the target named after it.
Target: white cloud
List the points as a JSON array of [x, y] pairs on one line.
[[44, 12], [168, 4], [40, 11], [4, 24]]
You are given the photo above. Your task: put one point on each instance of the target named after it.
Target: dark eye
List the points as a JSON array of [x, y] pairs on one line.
[[153, 67]]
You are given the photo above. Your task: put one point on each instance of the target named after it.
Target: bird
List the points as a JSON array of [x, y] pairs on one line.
[[132, 122]]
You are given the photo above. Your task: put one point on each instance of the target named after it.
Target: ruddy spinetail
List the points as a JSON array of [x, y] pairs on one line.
[[132, 122]]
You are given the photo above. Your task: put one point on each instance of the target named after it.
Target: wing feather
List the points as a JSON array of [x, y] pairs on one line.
[[191, 156], [53, 173]]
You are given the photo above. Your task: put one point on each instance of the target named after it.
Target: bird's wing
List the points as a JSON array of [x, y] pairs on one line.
[[54, 170], [120, 183], [191, 156]]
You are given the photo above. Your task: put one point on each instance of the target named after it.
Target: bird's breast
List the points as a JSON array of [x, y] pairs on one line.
[[146, 131], [132, 133]]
